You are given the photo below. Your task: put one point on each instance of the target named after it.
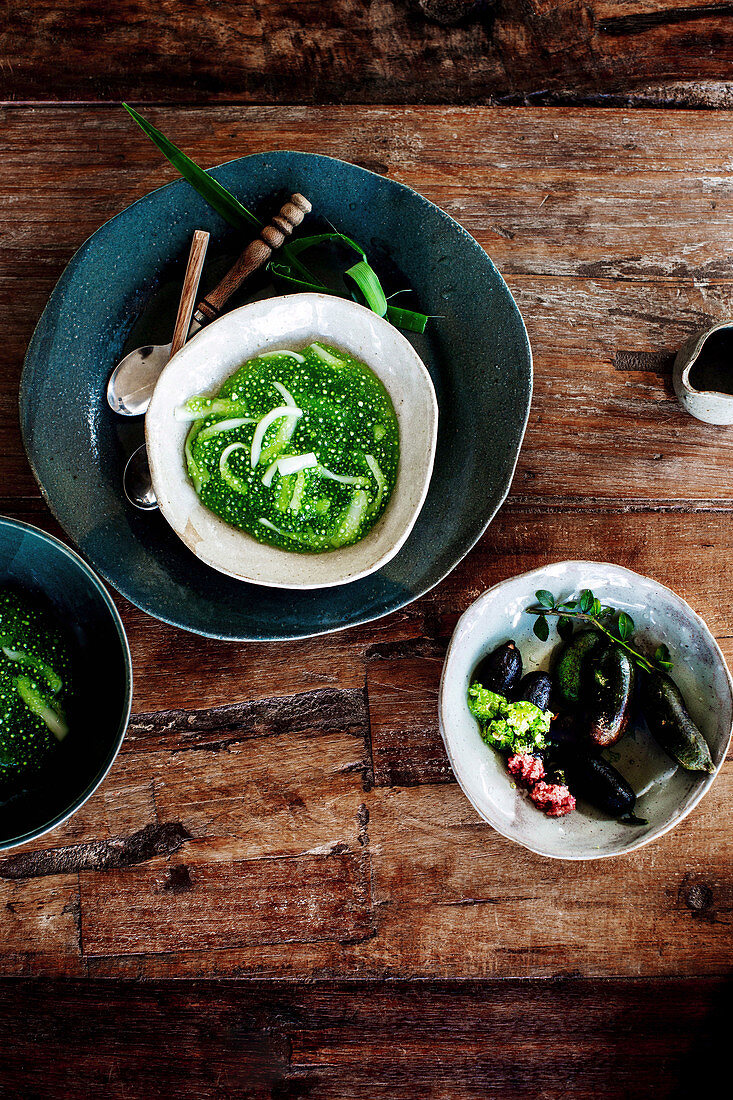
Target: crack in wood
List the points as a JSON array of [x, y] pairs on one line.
[[646, 21], [610, 505], [98, 855], [324, 709]]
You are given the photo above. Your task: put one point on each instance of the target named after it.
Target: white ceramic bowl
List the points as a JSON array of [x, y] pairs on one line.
[[292, 321], [665, 792]]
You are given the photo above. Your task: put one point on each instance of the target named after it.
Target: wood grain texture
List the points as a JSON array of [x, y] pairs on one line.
[[363, 1041], [346, 792], [594, 218], [387, 51], [285, 814]]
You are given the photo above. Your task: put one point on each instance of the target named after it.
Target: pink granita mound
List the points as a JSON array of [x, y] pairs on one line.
[[525, 768], [554, 799]]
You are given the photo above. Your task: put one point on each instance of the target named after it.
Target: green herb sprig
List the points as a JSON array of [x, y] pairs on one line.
[[616, 625], [287, 265]]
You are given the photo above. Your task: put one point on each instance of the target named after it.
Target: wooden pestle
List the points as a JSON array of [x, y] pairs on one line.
[[255, 256]]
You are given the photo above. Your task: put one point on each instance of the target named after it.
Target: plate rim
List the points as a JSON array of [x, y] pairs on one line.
[[360, 619]]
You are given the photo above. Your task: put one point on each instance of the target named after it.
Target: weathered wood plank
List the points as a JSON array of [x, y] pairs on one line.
[[423, 51], [403, 717], [256, 1040], [457, 894], [205, 904], [594, 217]]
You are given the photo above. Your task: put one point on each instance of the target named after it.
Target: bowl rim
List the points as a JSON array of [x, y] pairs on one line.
[[94, 783], [414, 364], [705, 783]]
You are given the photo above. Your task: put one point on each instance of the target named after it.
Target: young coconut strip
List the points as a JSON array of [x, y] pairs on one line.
[[232, 480], [379, 478], [20, 657], [199, 476], [352, 519], [344, 479], [326, 356], [199, 407], [279, 413], [282, 351], [288, 464], [49, 712], [309, 540]]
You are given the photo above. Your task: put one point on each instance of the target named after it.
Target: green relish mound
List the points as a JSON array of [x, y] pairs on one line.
[[34, 685], [299, 449], [519, 727]]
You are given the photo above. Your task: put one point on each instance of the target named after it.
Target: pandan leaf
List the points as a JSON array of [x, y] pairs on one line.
[[208, 188], [287, 266]]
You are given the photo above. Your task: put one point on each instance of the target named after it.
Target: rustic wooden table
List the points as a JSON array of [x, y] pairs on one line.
[[284, 814]]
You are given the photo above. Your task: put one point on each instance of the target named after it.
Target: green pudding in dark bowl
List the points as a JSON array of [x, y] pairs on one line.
[[65, 682]]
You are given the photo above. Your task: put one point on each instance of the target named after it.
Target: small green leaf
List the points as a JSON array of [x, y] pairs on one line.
[[541, 628], [564, 627], [586, 600], [667, 665], [662, 653], [596, 609], [545, 598], [625, 626]]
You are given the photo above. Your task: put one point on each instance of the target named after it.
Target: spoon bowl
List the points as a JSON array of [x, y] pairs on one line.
[[138, 483], [132, 382]]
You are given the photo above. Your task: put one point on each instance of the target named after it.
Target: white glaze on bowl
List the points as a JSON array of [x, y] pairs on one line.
[[666, 792], [292, 321]]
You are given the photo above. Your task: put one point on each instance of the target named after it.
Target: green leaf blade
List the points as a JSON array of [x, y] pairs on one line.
[[565, 627], [366, 280], [216, 195], [544, 598], [407, 319]]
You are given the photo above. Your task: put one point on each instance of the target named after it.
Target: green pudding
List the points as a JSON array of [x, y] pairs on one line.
[[34, 685], [299, 449]]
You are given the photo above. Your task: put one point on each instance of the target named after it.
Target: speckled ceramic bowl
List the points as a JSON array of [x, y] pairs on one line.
[[292, 321], [665, 792]]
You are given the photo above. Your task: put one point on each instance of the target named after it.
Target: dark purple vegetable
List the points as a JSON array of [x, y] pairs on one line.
[[608, 694], [593, 779], [536, 687], [501, 670]]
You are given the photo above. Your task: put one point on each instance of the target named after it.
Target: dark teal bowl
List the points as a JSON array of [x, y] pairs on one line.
[[120, 291], [102, 676]]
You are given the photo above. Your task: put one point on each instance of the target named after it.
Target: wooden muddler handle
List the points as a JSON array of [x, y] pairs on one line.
[[191, 281], [254, 256]]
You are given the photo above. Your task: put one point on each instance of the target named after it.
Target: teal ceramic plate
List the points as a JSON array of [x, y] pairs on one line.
[[120, 291]]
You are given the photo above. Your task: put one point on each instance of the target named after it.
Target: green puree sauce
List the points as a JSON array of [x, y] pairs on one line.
[[34, 684], [299, 449]]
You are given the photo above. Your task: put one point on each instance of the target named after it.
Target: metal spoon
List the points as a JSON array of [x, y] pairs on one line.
[[137, 482], [132, 382]]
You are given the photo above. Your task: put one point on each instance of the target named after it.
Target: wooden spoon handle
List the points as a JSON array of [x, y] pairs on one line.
[[255, 255], [194, 267]]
